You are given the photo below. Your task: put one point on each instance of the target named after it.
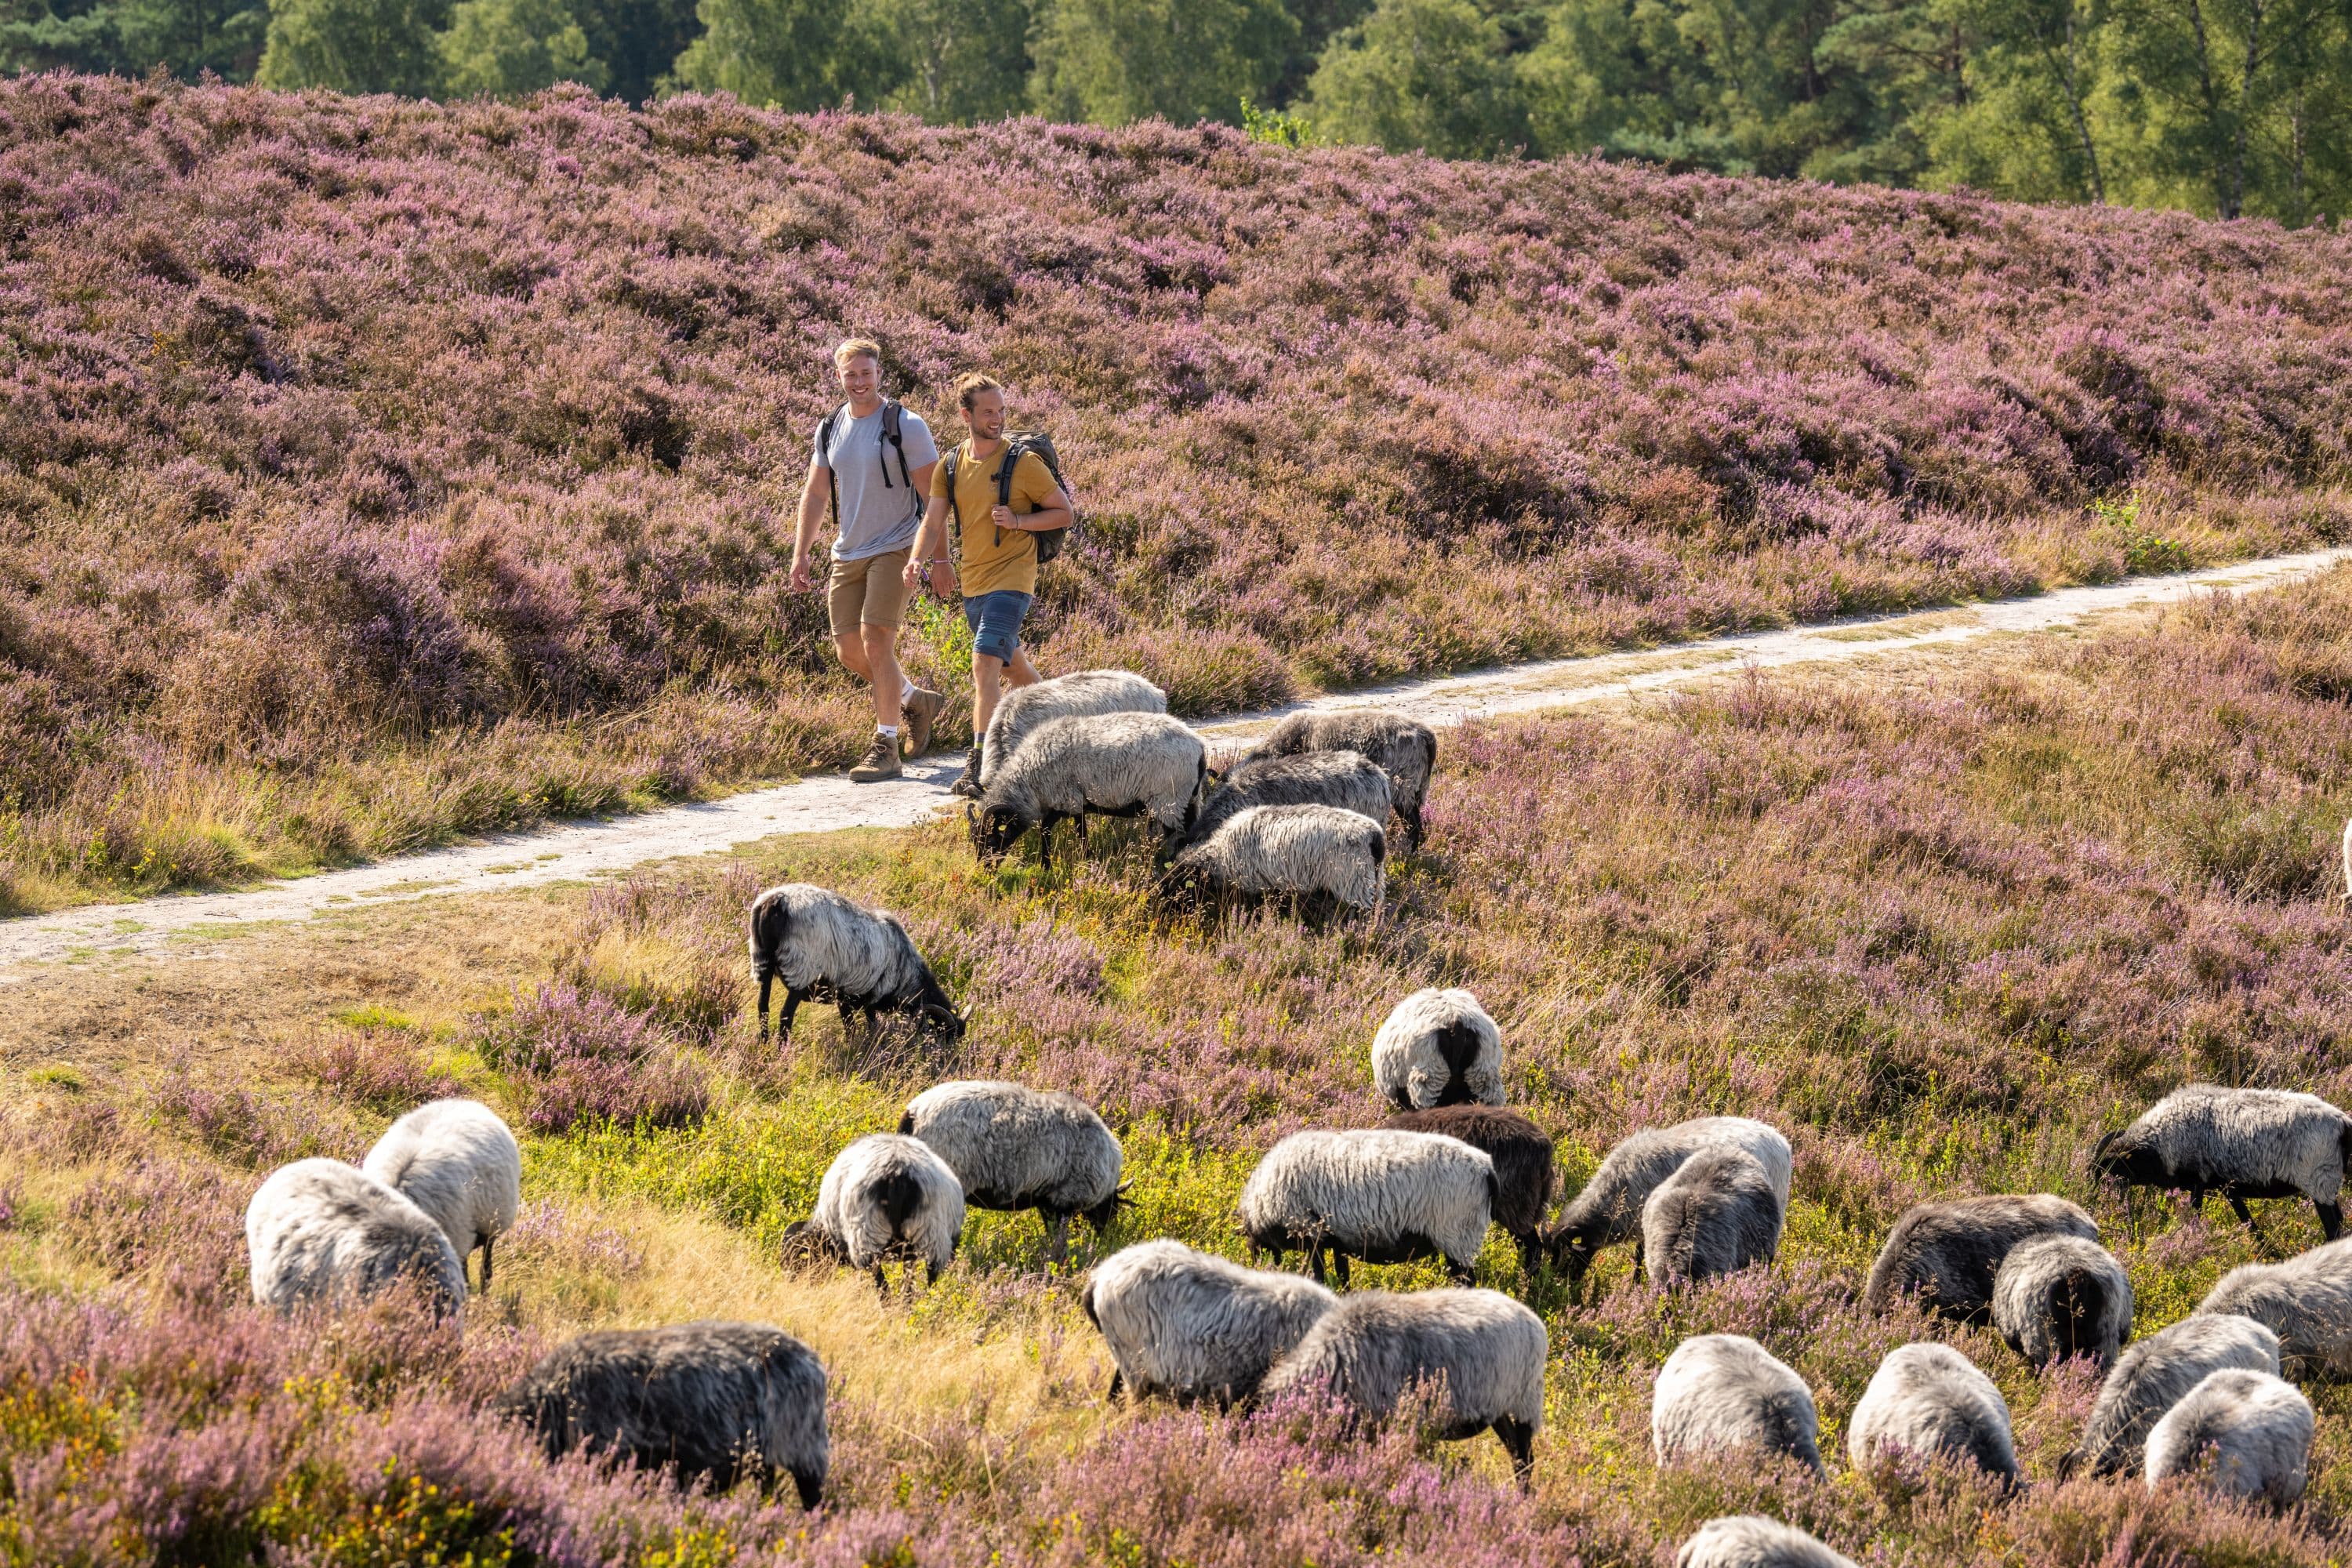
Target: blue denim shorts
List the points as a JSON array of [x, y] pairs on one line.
[[995, 621]]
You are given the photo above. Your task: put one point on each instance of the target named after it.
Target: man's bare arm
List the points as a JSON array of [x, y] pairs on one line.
[[817, 493]]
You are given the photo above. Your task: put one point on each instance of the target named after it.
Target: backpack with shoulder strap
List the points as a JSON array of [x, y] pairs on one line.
[[1017, 445], [891, 411]]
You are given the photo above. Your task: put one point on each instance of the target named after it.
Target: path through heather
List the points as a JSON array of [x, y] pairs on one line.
[[179, 924]]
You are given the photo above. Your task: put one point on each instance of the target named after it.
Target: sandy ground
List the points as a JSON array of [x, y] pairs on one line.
[[181, 926]]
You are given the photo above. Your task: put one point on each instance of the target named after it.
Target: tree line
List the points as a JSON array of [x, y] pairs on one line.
[[2225, 107]]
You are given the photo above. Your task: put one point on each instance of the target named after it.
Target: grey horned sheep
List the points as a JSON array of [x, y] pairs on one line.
[[1404, 747], [458, 1163], [1947, 1252], [2153, 1376], [1304, 852], [1438, 1047], [2241, 1143], [1720, 1392], [320, 1230], [825, 947], [1524, 1179], [883, 1197], [2306, 1300], [1192, 1326], [716, 1400], [2058, 1294], [1343, 779], [1483, 1352], [1104, 764], [2246, 1434], [1381, 1196], [1079, 695], [1929, 1399], [1749, 1541], [1608, 1208], [1017, 1148], [1716, 1215]]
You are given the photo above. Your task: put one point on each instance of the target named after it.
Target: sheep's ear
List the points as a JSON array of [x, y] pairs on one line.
[[2101, 1146]]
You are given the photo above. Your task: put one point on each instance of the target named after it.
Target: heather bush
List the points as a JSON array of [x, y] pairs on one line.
[[578, 1058], [374, 1064]]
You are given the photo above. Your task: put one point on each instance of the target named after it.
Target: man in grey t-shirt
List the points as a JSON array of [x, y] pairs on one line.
[[875, 486]]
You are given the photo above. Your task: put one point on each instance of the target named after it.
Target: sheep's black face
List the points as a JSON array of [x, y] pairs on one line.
[[1572, 1251], [995, 832], [2116, 1160]]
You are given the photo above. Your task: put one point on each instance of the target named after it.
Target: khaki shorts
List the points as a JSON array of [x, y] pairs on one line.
[[872, 592]]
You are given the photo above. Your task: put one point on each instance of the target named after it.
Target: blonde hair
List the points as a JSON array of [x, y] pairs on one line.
[[972, 383], [856, 348]]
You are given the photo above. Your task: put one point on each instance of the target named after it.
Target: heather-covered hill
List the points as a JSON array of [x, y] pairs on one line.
[[376, 470]]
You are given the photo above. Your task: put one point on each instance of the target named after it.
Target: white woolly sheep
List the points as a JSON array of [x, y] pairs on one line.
[[1749, 1540], [825, 947], [2241, 1143], [1929, 1399], [2153, 1376], [1715, 1215], [1344, 779], [321, 1230], [1483, 1352], [2246, 1434], [1079, 695], [715, 1399], [2306, 1300], [1404, 747], [885, 1196], [2057, 1295], [1438, 1047], [1609, 1209], [1525, 1179], [1190, 1325], [1720, 1392], [1381, 1196], [1947, 1252], [457, 1161], [1016, 1148], [1306, 852], [1107, 764]]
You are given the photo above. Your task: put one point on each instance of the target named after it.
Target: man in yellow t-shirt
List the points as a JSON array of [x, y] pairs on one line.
[[999, 570]]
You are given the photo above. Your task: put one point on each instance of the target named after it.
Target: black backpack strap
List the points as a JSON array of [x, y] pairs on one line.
[[825, 445], [1015, 451], [955, 514], [891, 433]]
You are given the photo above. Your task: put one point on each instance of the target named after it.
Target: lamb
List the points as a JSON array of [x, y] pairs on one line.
[[1304, 851], [1015, 1148], [716, 1399], [1483, 1351], [1111, 764], [1749, 1540], [1719, 1392], [1438, 1047], [2250, 1430], [1192, 1326], [1382, 1196], [1344, 779], [1716, 1215], [457, 1161], [2242, 1143], [2059, 1295], [1609, 1209], [885, 1196], [2153, 1376], [1405, 749], [1930, 1399], [1525, 1180], [825, 947], [2307, 1302], [1082, 694], [1947, 1252], [321, 1230]]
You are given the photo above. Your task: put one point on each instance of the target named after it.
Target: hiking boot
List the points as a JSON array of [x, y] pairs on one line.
[[966, 782], [880, 762], [921, 711]]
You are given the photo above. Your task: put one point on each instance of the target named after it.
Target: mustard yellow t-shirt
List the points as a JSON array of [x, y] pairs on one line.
[[991, 564]]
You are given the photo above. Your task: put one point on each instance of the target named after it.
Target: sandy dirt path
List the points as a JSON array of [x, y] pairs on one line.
[[583, 850]]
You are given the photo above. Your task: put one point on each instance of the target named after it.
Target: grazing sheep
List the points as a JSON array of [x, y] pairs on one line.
[[2247, 1432], [321, 1230], [1084, 694], [1015, 1148], [1525, 1180], [1111, 764], [1609, 1209], [718, 1400], [1719, 1392], [1485, 1351], [1305, 851], [1344, 779], [1947, 1252], [2059, 1295], [827, 948], [2306, 1300], [1747, 1541], [1930, 1399], [885, 1196], [2241, 1143], [1382, 1196], [1438, 1047], [454, 1159], [1405, 749], [2153, 1376], [1716, 1215], [1194, 1326]]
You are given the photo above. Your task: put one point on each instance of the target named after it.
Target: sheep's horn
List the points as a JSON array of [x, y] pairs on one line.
[[969, 1008]]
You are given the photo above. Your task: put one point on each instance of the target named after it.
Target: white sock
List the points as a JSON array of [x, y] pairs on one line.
[[888, 732], [906, 691]]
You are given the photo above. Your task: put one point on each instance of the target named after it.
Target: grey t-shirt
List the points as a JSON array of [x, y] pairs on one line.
[[875, 517]]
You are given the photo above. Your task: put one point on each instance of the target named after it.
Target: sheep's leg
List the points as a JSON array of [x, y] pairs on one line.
[[2237, 1207], [1117, 1384], [1530, 1254], [486, 1264], [879, 1283], [811, 1487], [2331, 1220], [1057, 1239], [931, 1275], [1340, 1267], [1418, 829], [1315, 1260], [1462, 1273], [1519, 1442], [767, 984], [793, 1000]]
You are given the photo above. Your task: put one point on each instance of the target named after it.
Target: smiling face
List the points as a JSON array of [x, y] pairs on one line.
[[861, 380], [985, 415]]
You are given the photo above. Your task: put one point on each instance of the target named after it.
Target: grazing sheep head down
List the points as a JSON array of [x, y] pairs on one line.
[[2114, 1160], [1574, 1247], [994, 831]]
